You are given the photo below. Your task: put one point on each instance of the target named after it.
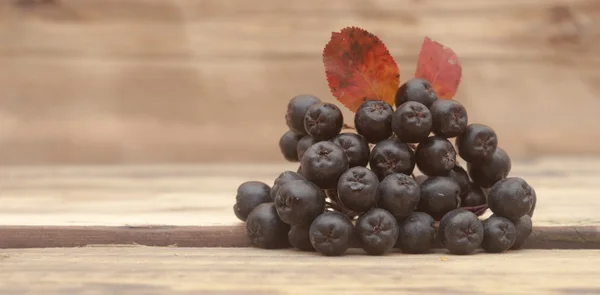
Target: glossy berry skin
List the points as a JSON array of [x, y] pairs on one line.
[[250, 194], [356, 148], [282, 179], [439, 195], [323, 120], [475, 197], [416, 233], [265, 229], [303, 144], [485, 174], [416, 89], [460, 232], [499, 234], [449, 118], [357, 189], [435, 156], [373, 120], [299, 239], [323, 163], [399, 194], [331, 232], [391, 156], [461, 177], [477, 143], [412, 122], [511, 197], [299, 202], [288, 145], [296, 110], [377, 231], [523, 228]]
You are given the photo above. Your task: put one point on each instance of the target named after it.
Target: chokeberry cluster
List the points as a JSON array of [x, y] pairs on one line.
[[394, 181]]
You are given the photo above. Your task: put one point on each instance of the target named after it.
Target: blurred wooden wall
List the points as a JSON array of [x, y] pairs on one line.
[[146, 81]]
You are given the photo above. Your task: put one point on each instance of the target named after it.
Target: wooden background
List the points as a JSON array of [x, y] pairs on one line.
[[155, 81]]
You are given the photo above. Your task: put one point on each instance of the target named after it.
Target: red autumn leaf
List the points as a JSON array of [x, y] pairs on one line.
[[359, 67], [440, 66]]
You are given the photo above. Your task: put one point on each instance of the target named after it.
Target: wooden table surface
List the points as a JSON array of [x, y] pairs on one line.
[[90, 230]]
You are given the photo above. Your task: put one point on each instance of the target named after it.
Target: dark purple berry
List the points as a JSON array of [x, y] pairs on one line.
[[435, 156], [282, 179], [323, 120], [357, 189], [331, 232], [523, 228], [299, 202], [460, 232], [356, 148], [296, 110], [439, 195], [461, 177], [416, 89], [416, 233], [250, 194], [530, 213], [499, 234], [299, 238], [377, 231], [399, 194], [421, 178], [411, 122], [449, 118], [265, 229], [511, 197], [477, 143], [486, 174], [323, 163], [288, 145], [392, 156], [373, 120], [475, 197], [303, 144]]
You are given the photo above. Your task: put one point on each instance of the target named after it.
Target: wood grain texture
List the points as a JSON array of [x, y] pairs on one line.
[[192, 205], [148, 81], [212, 271]]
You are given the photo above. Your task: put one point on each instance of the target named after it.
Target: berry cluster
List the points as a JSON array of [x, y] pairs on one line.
[[361, 188]]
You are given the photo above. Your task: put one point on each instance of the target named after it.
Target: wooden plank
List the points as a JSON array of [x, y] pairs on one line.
[[212, 271]]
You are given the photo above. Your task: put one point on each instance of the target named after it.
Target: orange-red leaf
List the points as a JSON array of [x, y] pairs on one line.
[[440, 66], [359, 67]]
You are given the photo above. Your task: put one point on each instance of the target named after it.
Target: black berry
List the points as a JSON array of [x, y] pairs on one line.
[[418, 90], [392, 156], [299, 202], [357, 189], [265, 229], [499, 234], [399, 194], [323, 163], [377, 231], [331, 232], [356, 148], [435, 156], [475, 197], [303, 144], [250, 194], [511, 197], [477, 143], [416, 233], [296, 110], [523, 228], [530, 213], [461, 232], [299, 238], [411, 122], [373, 120], [461, 177], [323, 120], [439, 195], [282, 179], [486, 174], [288, 145], [449, 118]]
